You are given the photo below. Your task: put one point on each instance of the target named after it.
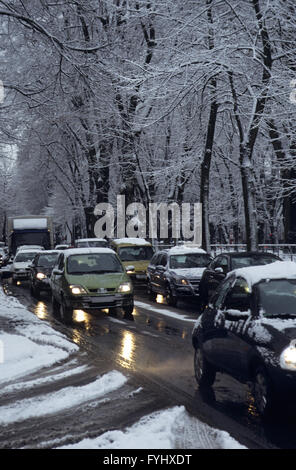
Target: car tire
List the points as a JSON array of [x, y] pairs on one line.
[[264, 397], [113, 311], [151, 294], [66, 313], [128, 310], [55, 305], [34, 291], [170, 297], [205, 373]]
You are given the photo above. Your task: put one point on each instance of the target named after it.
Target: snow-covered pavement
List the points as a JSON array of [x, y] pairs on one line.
[[44, 374]]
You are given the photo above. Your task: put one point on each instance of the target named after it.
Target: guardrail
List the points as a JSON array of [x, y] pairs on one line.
[[283, 250]]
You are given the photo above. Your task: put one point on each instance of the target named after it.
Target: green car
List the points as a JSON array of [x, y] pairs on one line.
[[90, 279]]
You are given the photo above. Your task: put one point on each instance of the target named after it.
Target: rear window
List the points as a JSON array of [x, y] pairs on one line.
[[245, 261], [23, 257], [47, 261], [135, 253], [96, 263]]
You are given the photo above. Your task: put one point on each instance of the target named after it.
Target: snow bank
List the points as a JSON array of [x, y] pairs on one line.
[[166, 429], [56, 402], [33, 344]]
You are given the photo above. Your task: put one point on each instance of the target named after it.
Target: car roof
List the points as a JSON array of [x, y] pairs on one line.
[[131, 241], [33, 250], [90, 240], [276, 270], [181, 250], [242, 254], [45, 252], [87, 250]]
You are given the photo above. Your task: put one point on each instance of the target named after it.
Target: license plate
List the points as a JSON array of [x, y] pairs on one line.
[[141, 276], [103, 299]]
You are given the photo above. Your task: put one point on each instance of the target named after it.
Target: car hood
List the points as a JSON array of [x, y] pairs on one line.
[[94, 281], [139, 266], [22, 265], [189, 273], [285, 326]]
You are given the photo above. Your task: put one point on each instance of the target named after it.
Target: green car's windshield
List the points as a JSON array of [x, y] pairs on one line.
[[135, 253], [190, 260], [96, 263], [277, 297]]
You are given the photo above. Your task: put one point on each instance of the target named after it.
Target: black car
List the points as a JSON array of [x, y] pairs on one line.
[[226, 262], [248, 330], [176, 273], [40, 271]]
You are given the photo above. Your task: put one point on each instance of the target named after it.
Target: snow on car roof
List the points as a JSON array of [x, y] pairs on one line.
[[184, 249], [276, 270], [87, 251], [131, 241], [91, 240]]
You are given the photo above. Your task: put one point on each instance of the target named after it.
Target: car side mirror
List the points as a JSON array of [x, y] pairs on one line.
[[58, 272], [219, 270], [235, 315], [130, 269], [160, 267]]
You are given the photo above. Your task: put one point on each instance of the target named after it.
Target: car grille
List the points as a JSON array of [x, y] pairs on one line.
[[195, 283], [108, 289]]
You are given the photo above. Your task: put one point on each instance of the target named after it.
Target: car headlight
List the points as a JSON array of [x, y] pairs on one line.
[[41, 276], [76, 290], [181, 281], [288, 357], [125, 287]]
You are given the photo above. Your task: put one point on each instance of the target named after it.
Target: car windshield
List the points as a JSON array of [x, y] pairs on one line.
[[277, 297], [244, 261], [190, 260], [47, 261], [135, 253], [96, 263], [22, 257]]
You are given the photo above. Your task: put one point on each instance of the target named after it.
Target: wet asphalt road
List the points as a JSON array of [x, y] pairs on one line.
[[155, 349]]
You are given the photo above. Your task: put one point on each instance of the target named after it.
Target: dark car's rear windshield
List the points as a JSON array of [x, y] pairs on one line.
[[244, 261], [277, 297], [47, 261], [190, 260], [94, 263]]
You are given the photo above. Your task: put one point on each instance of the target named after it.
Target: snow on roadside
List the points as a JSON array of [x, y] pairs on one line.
[[68, 397], [162, 430], [32, 345]]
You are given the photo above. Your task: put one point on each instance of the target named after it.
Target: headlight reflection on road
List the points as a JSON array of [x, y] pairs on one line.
[[41, 310], [127, 350]]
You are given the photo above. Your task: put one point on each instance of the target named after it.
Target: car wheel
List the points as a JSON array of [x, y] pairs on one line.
[[171, 298], [128, 311], [205, 373], [151, 294], [34, 291], [262, 392], [113, 311], [66, 313], [55, 305]]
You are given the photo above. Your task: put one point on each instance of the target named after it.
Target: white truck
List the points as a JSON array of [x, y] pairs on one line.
[[29, 230]]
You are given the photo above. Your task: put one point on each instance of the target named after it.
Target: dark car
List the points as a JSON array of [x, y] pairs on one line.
[[226, 262], [248, 330], [176, 273], [40, 271]]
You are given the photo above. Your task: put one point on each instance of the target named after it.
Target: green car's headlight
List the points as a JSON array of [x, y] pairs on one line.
[[125, 288], [76, 290]]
